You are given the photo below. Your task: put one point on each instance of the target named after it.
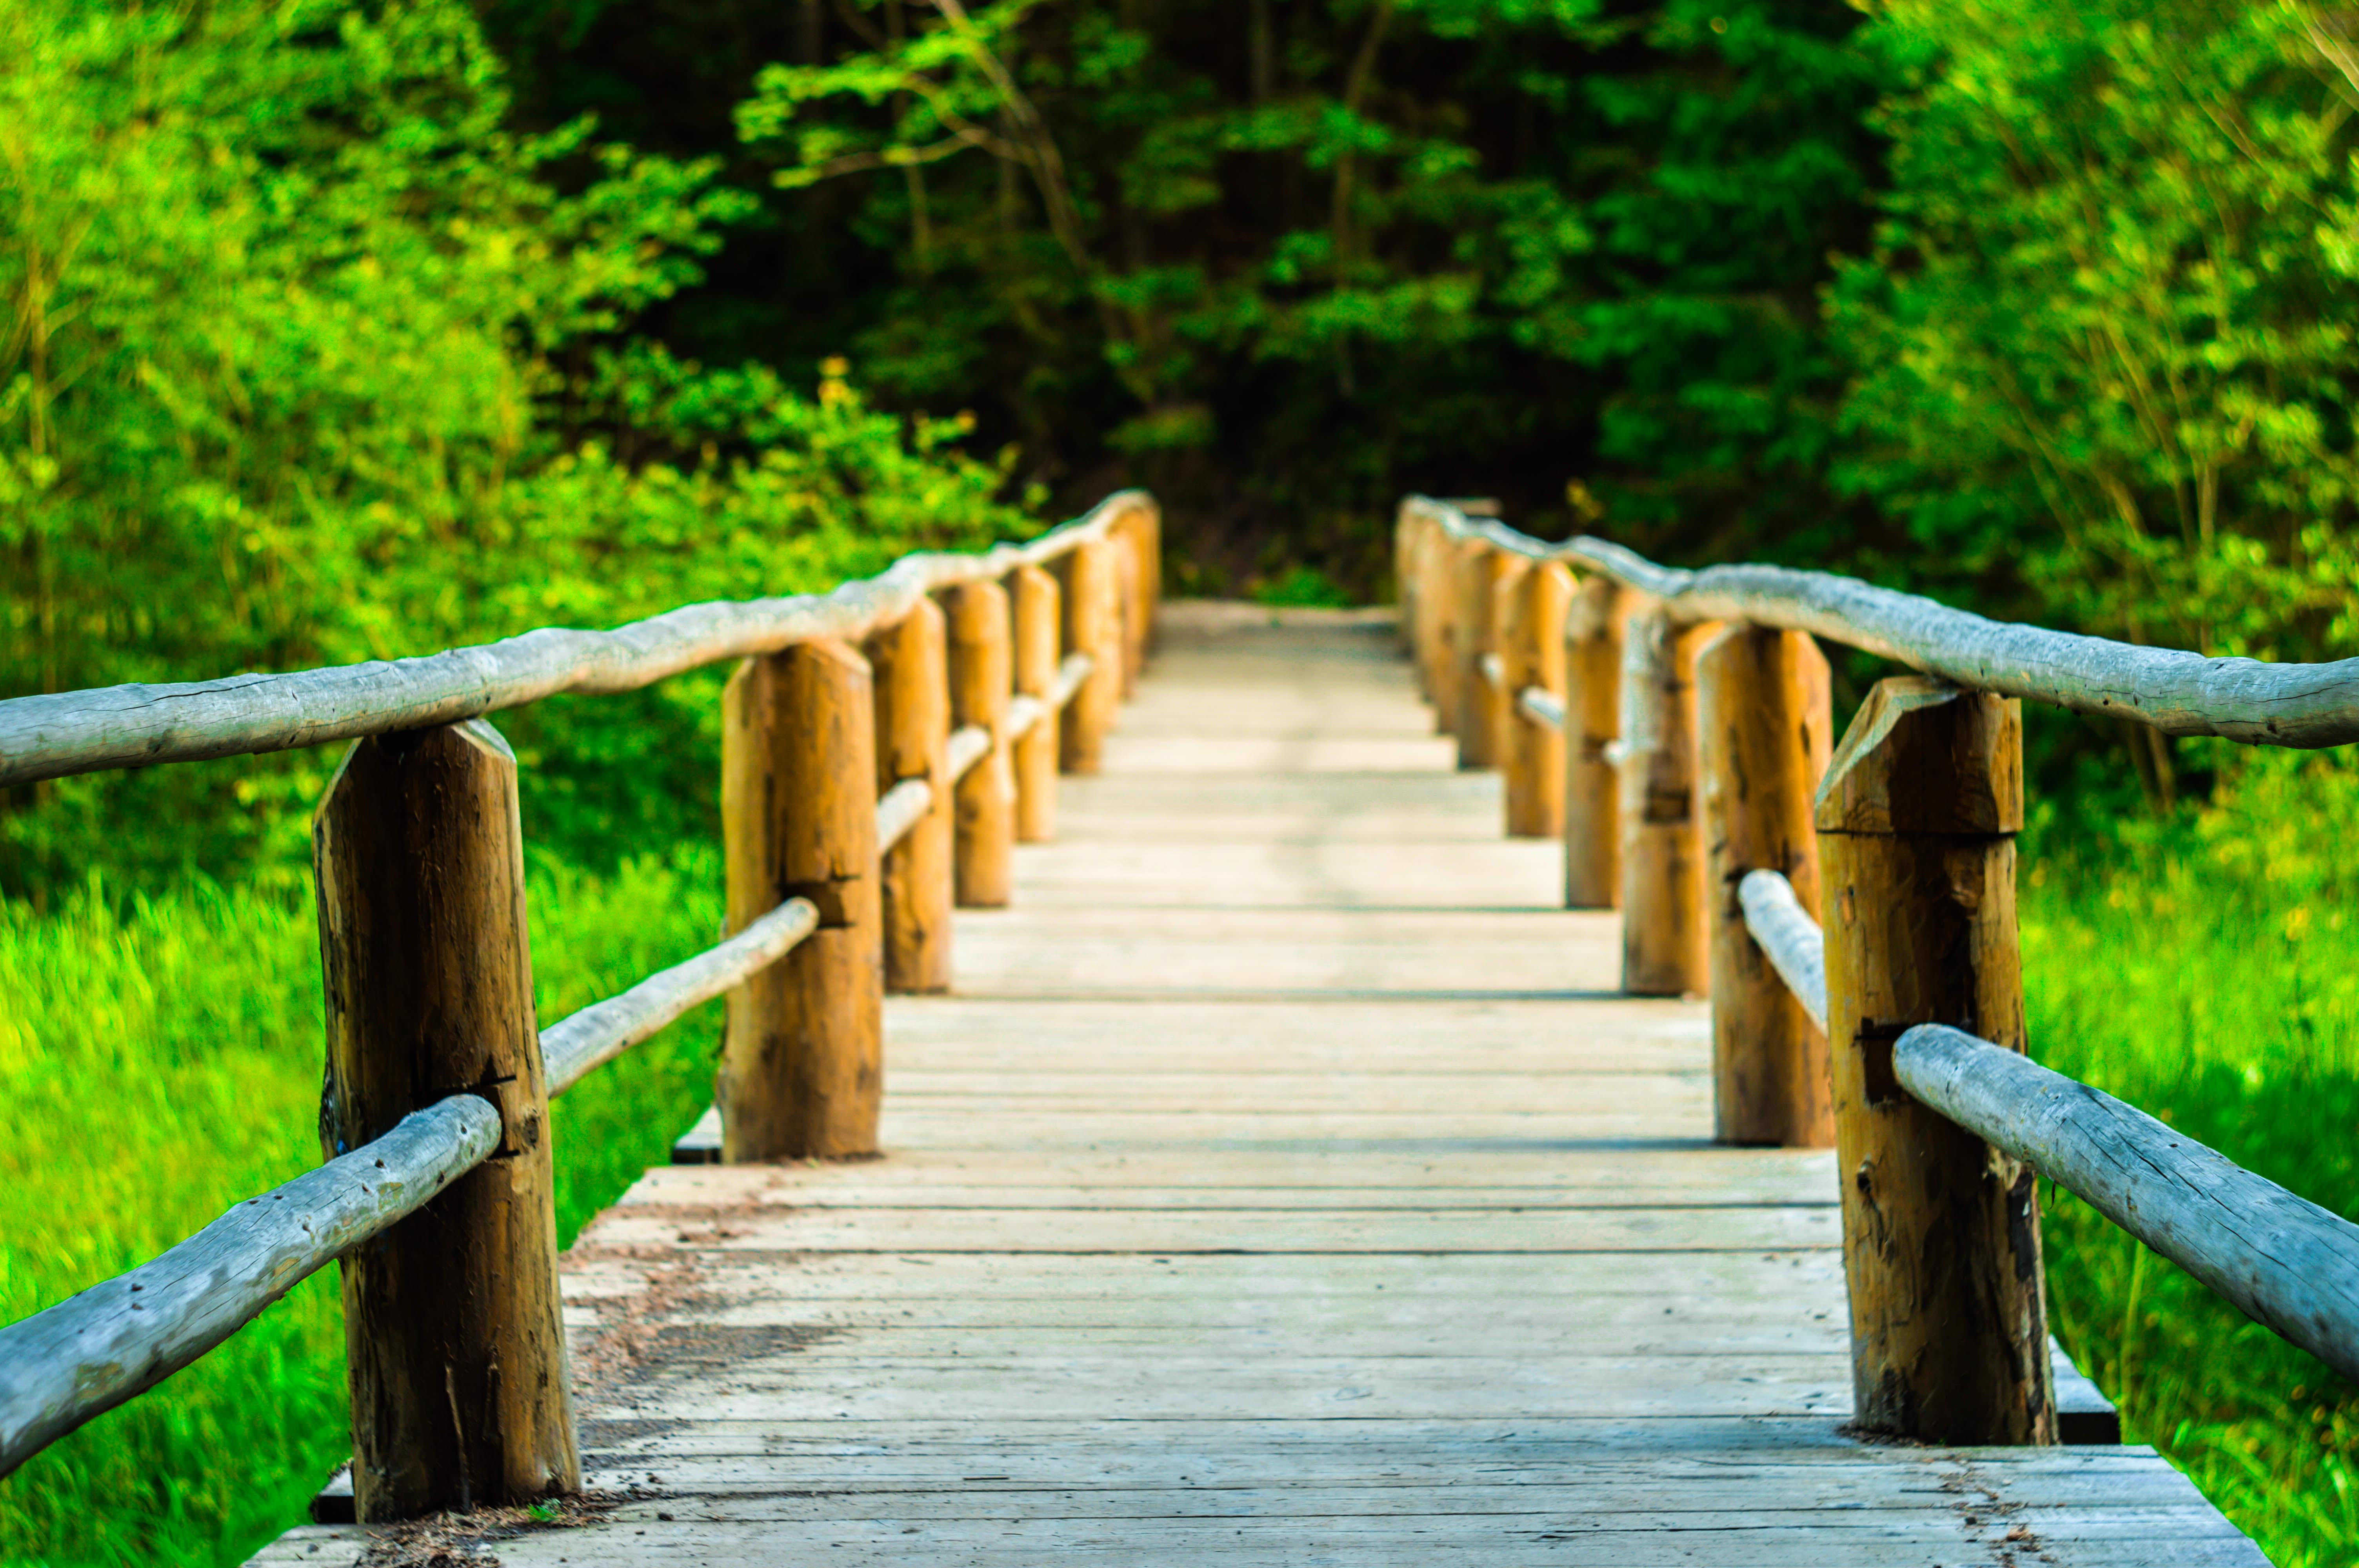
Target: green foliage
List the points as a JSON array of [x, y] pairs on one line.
[[161, 1063], [309, 360], [2230, 1008], [2102, 341], [1287, 262]]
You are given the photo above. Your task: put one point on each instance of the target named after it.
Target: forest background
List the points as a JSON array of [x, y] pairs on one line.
[[349, 329]]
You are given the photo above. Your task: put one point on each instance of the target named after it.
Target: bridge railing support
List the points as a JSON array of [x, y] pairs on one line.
[[982, 684], [1916, 823], [1766, 730], [1665, 929], [1593, 728], [1532, 659], [454, 1355], [912, 663]]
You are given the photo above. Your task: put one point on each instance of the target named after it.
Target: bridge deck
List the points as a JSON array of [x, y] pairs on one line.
[[1284, 1184]]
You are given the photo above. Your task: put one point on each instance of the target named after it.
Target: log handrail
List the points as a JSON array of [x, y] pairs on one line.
[[138, 725], [2176, 691], [72, 1362], [2286, 1262]]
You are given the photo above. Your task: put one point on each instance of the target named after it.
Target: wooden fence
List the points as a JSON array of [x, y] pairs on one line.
[[1676, 729], [884, 747]]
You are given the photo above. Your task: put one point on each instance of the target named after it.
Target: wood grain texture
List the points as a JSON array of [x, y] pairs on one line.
[[138, 726], [1476, 572], [456, 1362], [802, 1060], [1766, 721], [1941, 1232], [2284, 1260], [1666, 922], [983, 677], [911, 665], [2176, 691], [1532, 650], [1092, 614], [1592, 781], [1191, 1275], [75, 1361], [1034, 602]]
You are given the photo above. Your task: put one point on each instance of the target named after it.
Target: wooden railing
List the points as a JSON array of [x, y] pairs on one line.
[[1675, 728], [884, 747]]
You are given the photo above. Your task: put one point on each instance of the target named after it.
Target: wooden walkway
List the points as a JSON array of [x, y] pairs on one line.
[[1286, 1183]]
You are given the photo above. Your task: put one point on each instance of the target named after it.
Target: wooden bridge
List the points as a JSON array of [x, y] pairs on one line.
[[1273, 1168]]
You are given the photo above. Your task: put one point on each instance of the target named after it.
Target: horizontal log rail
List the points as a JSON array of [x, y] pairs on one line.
[[62, 1367], [75, 1361], [57, 735], [1545, 708], [2286, 1262], [2178, 692]]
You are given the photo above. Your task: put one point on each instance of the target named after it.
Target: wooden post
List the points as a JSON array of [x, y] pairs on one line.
[[1130, 611], [802, 1061], [1034, 594], [982, 674], [1767, 724], [1592, 723], [453, 1350], [1532, 647], [1144, 524], [1916, 823], [913, 733], [1664, 952], [1479, 566], [1439, 569], [1093, 626]]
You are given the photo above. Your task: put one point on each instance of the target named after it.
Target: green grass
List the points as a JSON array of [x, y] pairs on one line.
[[160, 1063], [2208, 974]]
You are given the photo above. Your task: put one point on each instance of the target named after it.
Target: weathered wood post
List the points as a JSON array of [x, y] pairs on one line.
[[1480, 565], [1767, 725], [454, 1352], [803, 1059], [1663, 951], [1130, 610], [1034, 598], [1592, 723], [1144, 522], [1532, 648], [1438, 570], [1093, 626], [913, 733], [982, 674], [1916, 823], [1404, 583]]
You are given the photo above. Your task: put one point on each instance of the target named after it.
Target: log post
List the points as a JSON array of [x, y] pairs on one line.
[[1145, 523], [1917, 822], [1767, 724], [1130, 609], [1093, 626], [913, 733], [1479, 567], [1439, 572], [1532, 647], [1035, 599], [1592, 723], [1664, 952], [455, 1353], [803, 1058], [982, 674]]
